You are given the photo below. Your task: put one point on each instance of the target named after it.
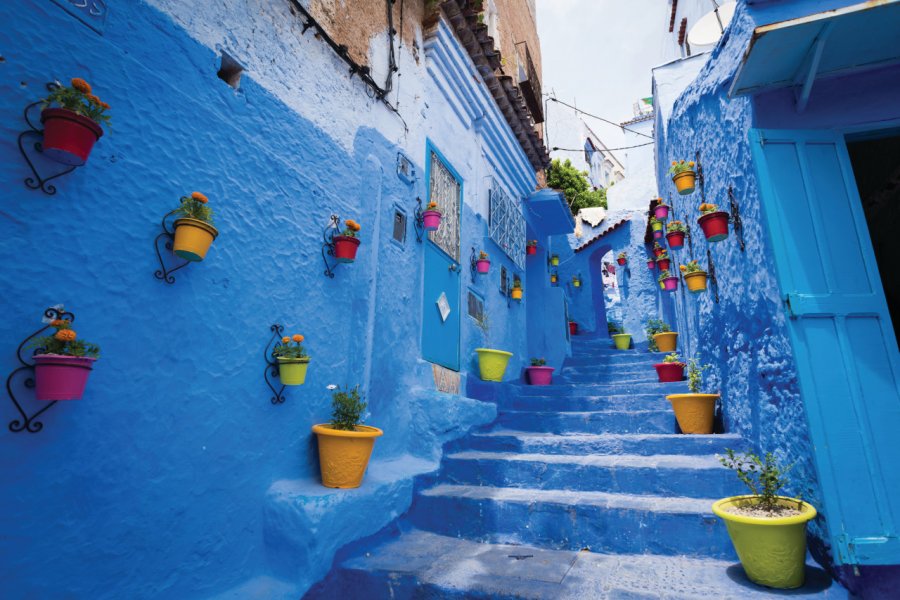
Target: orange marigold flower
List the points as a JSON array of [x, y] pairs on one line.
[[297, 338], [104, 105], [81, 85], [199, 197], [348, 223], [674, 162], [285, 340], [432, 205], [94, 99], [691, 164], [683, 268], [59, 323], [65, 335]]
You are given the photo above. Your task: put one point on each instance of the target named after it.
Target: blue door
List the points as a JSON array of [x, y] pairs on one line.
[[441, 298], [844, 344]]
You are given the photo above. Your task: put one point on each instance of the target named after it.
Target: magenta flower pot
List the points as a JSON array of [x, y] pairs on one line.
[[540, 375], [483, 266], [651, 264], [670, 283], [432, 219], [661, 212], [657, 234], [60, 377]]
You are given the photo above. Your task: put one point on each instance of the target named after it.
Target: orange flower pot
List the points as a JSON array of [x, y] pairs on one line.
[[193, 238], [517, 293], [666, 341], [694, 412], [696, 281], [684, 182], [344, 455]]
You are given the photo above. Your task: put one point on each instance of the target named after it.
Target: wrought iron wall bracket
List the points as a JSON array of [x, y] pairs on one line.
[[30, 143], [736, 217], [711, 272], [701, 178], [328, 245], [271, 370], [419, 220], [28, 422], [168, 235], [473, 264], [690, 239]]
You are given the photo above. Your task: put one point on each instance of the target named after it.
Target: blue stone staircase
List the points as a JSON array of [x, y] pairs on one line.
[[583, 489]]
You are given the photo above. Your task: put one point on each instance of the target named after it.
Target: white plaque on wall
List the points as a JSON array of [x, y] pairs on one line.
[[443, 306]]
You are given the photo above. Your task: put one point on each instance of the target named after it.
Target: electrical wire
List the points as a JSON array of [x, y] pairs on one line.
[[603, 149], [599, 118]]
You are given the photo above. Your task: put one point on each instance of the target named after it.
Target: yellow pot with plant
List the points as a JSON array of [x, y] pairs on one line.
[[292, 360], [683, 176], [694, 277], [554, 260], [345, 446], [695, 412], [666, 341], [491, 363], [516, 291], [194, 231], [768, 531]]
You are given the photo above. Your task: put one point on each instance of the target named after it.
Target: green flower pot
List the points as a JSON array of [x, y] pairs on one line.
[[492, 363], [622, 340], [292, 371]]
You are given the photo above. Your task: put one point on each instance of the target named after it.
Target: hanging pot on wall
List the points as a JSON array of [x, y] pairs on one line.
[[663, 264], [670, 284], [675, 239], [432, 219], [345, 248], [516, 293], [554, 260], [684, 182], [696, 281], [68, 136], [715, 225], [658, 251], [651, 264], [292, 371], [61, 377], [193, 238], [661, 212], [482, 265], [531, 248]]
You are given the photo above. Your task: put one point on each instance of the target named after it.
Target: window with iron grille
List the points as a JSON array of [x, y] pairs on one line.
[[507, 225], [399, 232], [476, 306]]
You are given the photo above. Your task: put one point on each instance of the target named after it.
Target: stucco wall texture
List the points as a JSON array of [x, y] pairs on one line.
[[175, 476]]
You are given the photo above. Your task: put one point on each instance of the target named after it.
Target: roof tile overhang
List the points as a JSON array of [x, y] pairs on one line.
[[463, 20], [597, 237]]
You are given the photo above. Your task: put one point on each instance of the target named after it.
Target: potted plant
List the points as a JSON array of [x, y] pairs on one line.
[[554, 279], [531, 247], [539, 373], [675, 232], [714, 222], [431, 218], [651, 264], [622, 258], [292, 360], [573, 328], [491, 363], [694, 277], [683, 176], [345, 445], [347, 243], [768, 531], [662, 336], [662, 261], [694, 411], [554, 260], [516, 291], [72, 117], [483, 262], [62, 363], [661, 210], [668, 282], [653, 327], [657, 227], [194, 231], [670, 369], [621, 339], [657, 249]]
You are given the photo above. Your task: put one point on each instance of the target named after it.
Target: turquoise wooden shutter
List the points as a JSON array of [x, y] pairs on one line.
[[844, 344]]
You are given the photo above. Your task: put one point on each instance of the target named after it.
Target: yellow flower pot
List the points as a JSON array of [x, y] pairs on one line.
[[684, 182], [517, 293], [344, 455], [696, 281], [554, 260], [772, 550], [666, 341], [492, 363], [292, 371], [193, 238], [622, 341], [576, 283], [694, 412]]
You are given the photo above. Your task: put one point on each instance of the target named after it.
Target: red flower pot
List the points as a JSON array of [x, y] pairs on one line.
[[675, 239], [621, 261], [431, 220], [58, 377], [651, 264], [715, 226], [663, 264], [657, 251], [658, 234], [540, 375], [345, 248], [670, 284], [529, 250], [668, 372], [661, 212], [68, 136], [482, 266], [573, 328]]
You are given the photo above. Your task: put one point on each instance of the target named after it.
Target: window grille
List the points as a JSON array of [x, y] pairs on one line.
[[399, 226], [507, 225], [476, 306], [444, 189]]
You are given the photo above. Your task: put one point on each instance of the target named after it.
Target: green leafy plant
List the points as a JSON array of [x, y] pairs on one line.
[[574, 186], [576, 279], [64, 341], [346, 408], [707, 208], [664, 275], [614, 328], [763, 476], [657, 246], [622, 255], [691, 267], [680, 166], [195, 207], [672, 357], [482, 255], [78, 98], [663, 256], [674, 226], [695, 375], [290, 347], [517, 282], [654, 221], [532, 243], [653, 327], [351, 228], [538, 362]]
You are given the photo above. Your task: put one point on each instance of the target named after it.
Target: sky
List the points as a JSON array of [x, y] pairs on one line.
[[597, 54]]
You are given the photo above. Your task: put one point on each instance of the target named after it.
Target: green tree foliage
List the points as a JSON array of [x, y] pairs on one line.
[[574, 186]]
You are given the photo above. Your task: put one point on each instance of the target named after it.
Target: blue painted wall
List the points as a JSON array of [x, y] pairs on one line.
[[175, 476]]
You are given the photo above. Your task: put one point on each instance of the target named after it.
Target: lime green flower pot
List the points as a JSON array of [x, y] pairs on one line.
[[492, 363], [292, 371], [622, 340], [772, 550]]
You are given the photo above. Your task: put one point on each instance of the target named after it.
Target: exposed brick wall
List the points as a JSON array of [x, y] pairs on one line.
[[517, 24]]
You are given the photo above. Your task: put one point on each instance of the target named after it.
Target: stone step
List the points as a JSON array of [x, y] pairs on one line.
[[608, 421], [647, 375], [599, 389], [649, 401], [661, 474], [421, 564], [580, 359], [571, 520], [507, 440]]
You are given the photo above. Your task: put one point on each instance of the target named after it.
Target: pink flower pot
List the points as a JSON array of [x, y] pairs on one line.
[[58, 377], [432, 219], [668, 372], [657, 234], [540, 375], [482, 266], [661, 212], [529, 250], [651, 264], [670, 283], [573, 328]]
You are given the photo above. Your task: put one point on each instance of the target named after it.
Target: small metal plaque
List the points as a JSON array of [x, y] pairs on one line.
[[443, 306], [90, 12]]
